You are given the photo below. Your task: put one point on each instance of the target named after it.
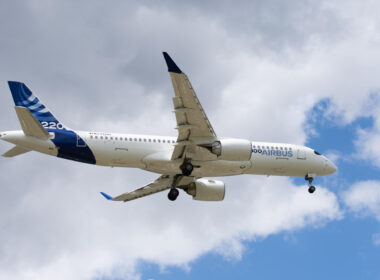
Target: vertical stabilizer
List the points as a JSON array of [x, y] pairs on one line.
[[23, 97]]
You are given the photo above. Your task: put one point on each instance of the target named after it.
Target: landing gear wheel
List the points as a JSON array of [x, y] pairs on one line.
[[173, 194], [187, 168], [310, 180], [311, 189]]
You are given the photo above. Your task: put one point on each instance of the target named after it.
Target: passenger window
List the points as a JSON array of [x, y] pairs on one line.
[[91, 137], [101, 137], [135, 139], [111, 138], [163, 141], [96, 137], [144, 139], [116, 138], [159, 141], [106, 138]]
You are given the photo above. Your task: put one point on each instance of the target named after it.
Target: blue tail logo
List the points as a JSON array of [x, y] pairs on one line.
[[24, 97]]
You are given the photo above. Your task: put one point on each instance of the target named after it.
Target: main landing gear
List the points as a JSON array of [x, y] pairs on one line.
[[187, 168], [174, 192], [310, 180]]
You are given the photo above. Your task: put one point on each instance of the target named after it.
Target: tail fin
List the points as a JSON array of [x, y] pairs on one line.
[[24, 97]]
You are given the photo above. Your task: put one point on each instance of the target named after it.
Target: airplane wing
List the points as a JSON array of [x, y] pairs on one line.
[[164, 182], [192, 123]]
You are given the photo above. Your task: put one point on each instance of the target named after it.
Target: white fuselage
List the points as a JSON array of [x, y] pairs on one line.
[[153, 153]]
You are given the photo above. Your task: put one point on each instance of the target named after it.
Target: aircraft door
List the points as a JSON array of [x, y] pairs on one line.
[[301, 154]]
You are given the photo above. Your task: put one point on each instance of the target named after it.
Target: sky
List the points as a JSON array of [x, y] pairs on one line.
[[302, 72]]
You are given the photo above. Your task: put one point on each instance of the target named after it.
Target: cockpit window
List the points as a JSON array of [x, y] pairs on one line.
[[317, 153]]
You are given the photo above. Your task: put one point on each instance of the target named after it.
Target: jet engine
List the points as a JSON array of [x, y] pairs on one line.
[[206, 190], [232, 149]]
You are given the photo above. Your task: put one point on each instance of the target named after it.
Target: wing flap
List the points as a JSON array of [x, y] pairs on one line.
[[188, 108], [29, 123]]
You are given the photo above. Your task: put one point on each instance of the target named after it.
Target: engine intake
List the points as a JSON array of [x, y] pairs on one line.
[[232, 149], [207, 190]]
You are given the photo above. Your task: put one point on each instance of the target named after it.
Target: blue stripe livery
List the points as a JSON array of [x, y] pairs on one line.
[[70, 145], [24, 97]]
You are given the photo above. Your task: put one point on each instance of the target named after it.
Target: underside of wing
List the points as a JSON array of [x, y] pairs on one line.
[[162, 183], [192, 123]]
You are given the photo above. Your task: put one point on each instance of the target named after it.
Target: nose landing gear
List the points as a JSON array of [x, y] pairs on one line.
[[310, 180]]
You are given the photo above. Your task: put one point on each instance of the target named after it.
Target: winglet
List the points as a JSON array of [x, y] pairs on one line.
[[172, 67], [106, 196]]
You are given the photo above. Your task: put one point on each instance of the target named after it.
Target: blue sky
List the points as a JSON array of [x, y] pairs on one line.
[[302, 72]]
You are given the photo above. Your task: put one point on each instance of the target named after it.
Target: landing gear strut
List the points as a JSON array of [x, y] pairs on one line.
[[187, 168], [310, 180]]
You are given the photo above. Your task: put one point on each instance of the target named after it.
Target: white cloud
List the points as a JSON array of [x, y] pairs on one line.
[[376, 239], [364, 198], [60, 227], [367, 140]]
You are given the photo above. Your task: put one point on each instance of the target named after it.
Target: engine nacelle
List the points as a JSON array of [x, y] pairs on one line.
[[232, 149], [207, 190]]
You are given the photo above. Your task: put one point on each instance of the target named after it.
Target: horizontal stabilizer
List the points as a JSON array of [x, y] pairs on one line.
[[15, 151], [29, 123], [108, 197]]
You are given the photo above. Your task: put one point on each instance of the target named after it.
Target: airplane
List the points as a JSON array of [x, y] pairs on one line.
[[183, 161]]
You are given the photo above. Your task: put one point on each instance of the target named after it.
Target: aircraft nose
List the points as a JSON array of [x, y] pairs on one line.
[[330, 167]]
